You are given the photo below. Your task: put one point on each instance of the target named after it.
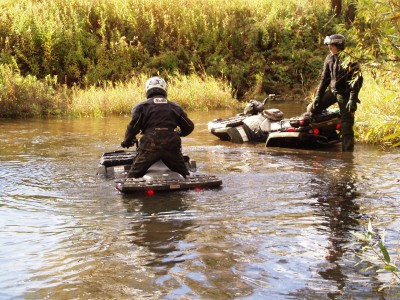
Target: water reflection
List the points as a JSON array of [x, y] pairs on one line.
[[184, 252], [334, 187], [336, 202], [159, 227]]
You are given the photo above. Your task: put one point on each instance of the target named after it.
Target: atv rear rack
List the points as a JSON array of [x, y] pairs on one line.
[[131, 185]]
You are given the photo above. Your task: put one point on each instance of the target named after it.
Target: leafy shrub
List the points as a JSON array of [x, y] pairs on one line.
[[85, 43], [26, 96]]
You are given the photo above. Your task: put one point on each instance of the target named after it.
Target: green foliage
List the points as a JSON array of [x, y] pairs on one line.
[[374, 41], [119, 97], [25, 96], [376, 32], [374, 252], [378, 117], [85, 43]]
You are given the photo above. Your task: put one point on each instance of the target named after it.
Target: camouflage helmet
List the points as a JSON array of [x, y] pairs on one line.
[[336, 39]]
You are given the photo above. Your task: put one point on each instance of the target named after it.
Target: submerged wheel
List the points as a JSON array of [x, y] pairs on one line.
[[239, 134], [193, 165]]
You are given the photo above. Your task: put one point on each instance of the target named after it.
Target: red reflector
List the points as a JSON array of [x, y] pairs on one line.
[[291, 129], [301, 122], [198, 188], [149, 192], [316, 131], [338, 126]]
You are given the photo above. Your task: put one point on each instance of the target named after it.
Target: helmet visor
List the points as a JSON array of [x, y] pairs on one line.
[[327, 40]]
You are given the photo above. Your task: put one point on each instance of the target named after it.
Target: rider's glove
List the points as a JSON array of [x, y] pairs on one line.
[[313, 105], [125, 144], [351, 105]]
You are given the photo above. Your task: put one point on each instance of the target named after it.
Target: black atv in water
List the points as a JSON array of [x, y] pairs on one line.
[[257, 124], [159, 177], [307, 131]]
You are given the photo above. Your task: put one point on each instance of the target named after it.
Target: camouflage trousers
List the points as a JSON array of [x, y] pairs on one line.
[[347, 122], [173, 159]]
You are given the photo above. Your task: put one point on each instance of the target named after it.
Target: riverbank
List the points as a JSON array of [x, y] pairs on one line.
[[377, 117], [24, 97], [89, 59]]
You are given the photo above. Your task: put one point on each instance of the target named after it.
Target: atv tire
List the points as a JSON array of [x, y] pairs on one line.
[[240, 134]]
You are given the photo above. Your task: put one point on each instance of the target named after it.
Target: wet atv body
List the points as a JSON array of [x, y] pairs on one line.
[[307, 131], [221, 127], [269, 126], [159, 177]]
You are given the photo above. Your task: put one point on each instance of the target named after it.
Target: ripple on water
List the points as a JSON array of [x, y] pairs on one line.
[[281, 215]]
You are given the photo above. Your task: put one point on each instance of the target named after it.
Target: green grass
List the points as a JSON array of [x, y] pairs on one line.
[[22, 97], [86, 43], [191, 92], [378, 116]]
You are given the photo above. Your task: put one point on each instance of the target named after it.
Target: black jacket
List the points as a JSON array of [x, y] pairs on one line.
[[345, 81], [158, 119]]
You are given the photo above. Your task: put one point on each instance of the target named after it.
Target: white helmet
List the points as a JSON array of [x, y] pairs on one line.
[[156, 85]]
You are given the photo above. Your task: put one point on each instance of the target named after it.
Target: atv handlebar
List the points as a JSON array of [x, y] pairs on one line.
[[270, 97]]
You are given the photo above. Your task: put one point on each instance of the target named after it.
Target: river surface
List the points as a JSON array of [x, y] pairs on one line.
[[280, 227]]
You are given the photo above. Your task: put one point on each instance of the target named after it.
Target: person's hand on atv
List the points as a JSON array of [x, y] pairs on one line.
[[351, 105], [126, 144], [313, 105]]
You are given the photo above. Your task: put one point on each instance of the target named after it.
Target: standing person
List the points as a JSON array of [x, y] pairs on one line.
[[161, 123], [344, 84]]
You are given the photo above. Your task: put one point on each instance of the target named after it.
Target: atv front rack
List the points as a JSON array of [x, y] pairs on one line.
[[117, 158]]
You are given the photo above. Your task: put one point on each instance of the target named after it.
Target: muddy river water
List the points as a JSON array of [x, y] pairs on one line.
[[280, 227]]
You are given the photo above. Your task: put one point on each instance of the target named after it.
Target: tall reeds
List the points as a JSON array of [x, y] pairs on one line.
[[27, 96], [191, 92], [378, 118]]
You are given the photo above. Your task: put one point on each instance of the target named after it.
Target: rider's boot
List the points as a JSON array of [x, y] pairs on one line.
[[348, 143]]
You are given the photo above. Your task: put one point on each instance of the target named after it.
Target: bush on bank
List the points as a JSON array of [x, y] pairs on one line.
[[86, 43], [25, 96], [22, 97], [378, 116], [375, 43]]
